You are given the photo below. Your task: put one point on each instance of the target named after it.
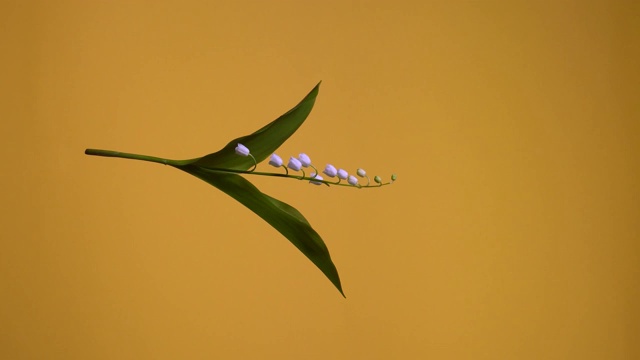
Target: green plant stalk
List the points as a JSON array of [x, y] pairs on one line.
[[123, 155], [179, 163]]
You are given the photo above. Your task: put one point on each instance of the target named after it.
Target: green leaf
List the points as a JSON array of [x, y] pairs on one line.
[[282, 216], [263, 142]]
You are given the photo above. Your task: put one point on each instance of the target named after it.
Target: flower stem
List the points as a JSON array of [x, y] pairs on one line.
[[118, 154], [181, 163], [246, 172]]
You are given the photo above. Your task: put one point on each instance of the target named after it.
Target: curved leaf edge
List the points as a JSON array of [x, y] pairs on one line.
[[264, 141]]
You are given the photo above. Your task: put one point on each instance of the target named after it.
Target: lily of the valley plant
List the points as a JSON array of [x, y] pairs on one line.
[[223, 169]]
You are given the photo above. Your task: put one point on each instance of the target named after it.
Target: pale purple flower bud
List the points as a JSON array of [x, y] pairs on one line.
[[275, 160], [342, 174], [352, 180], [361, 172], [317, 177], [294, 164], [304, 160], [242, 150], [330, 171]]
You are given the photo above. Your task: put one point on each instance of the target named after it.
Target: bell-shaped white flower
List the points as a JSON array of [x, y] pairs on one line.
[[304, 160], [242, 150], [330, 171], [294, 164], [275, 160], [315, 177], [361, 172], [342, 174], [352, 180]]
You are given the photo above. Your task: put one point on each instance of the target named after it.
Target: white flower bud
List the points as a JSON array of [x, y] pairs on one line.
[[342, 174], [317, 177], [352, 180], [275, 160], [242, 150], [361, 172], [304, 160], [330, 171], [294, 164]]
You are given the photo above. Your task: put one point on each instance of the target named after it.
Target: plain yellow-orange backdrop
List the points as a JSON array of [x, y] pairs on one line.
[[511, 233]]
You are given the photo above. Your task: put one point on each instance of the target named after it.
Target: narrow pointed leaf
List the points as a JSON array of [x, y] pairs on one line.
[[282, 216], [263, 142]]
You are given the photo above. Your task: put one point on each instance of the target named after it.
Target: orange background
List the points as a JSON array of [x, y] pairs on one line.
[[511, 233]]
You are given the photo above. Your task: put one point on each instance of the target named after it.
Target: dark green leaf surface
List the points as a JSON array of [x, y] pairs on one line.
[[263, 142], [283, 217]]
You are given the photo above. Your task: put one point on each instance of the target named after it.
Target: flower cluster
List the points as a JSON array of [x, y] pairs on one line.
[[303, 161]]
